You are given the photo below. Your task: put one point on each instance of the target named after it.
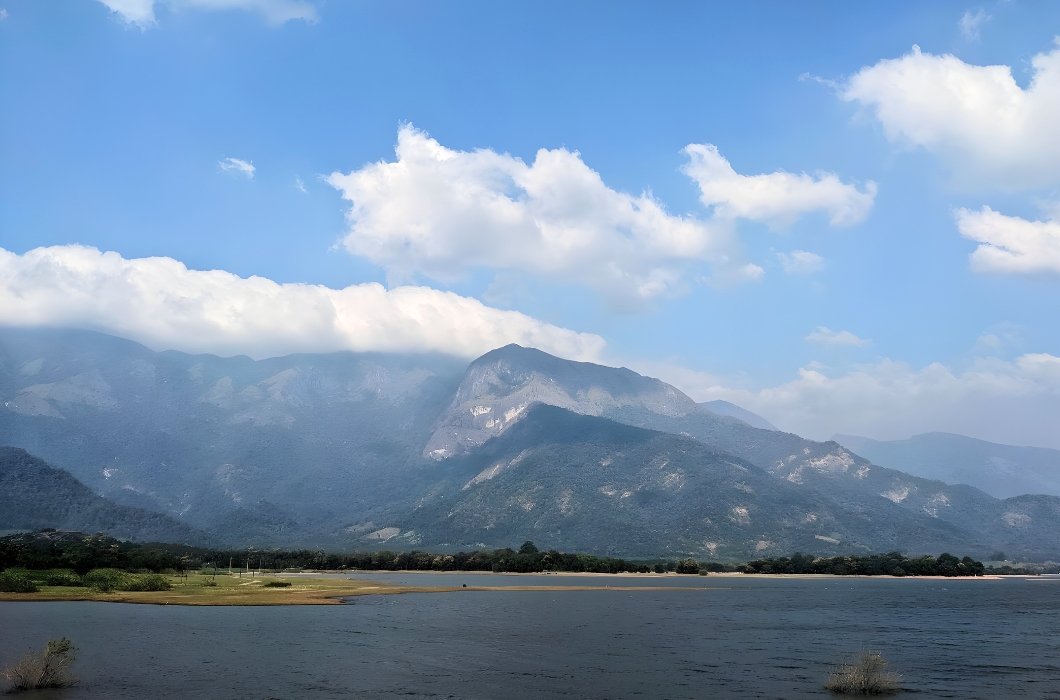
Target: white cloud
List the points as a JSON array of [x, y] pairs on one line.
[[3, 13], [970, 23], [161, 303], [1010, 402], [299, 185], [777, 199], [441, 212], [236, 165], [801, 262], [141, 12], [138, 12], [989, 129], [826, 336], [1009, 243]]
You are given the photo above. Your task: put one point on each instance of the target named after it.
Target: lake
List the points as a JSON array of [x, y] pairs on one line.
[[732, 637]]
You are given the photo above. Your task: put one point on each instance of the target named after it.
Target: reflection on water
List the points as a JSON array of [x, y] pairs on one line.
[[738, 638]]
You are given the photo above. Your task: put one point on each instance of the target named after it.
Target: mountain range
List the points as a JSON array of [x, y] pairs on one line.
[[356, 450], [1000, 470]]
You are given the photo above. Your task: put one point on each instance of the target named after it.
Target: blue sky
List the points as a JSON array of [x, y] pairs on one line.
[[117, 126]]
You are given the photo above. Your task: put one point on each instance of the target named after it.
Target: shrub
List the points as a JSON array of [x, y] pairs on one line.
[[44, 669], [865, 676], [55, 577], [16, 582], [687, 566], [277, 584], [107, 580], [147, 582]]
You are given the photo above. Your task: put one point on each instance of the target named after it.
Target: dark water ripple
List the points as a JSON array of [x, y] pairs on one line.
[[736, 638]]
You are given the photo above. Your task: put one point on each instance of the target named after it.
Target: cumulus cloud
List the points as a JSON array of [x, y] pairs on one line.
[[989, 129], [777, 199], [970, 23], [801, 262], [1013, 402], [239, 166], [161, 303], [826, 336], [141, 13], [441, 212], [1009, 243]]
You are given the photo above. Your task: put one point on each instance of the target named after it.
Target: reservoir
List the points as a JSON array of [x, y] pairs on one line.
[[728, 637]]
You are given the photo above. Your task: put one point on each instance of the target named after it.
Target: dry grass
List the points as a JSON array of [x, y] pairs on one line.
[[197, 589], [43, 669], [866, 675]]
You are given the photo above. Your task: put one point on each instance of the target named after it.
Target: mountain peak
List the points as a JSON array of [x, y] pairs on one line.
[[502, 385]]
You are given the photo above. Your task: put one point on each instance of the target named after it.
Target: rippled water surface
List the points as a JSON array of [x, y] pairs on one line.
[[732, 637]]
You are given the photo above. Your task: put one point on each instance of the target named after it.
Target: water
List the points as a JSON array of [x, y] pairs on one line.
[[732, 638]]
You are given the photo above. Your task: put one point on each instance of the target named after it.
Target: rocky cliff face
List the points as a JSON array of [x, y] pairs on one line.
[[501, 386]]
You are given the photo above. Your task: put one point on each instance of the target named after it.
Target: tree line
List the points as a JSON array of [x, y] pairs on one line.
[[891, 564], [84, 553]]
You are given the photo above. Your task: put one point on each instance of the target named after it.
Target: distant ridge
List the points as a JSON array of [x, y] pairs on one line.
[[1002, 471], [34, 495], [724, 408], [338, 450]]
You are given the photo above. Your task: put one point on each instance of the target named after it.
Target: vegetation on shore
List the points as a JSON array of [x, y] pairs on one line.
[[73, 559], [198, 588], [892, 564]]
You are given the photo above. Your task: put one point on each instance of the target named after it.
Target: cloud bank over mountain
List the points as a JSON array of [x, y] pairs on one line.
[[163, 304]]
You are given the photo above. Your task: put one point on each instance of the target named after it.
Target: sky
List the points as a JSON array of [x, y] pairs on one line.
[[843, 217]]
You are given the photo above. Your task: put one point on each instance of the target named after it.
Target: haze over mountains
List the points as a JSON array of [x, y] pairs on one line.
[[352, 450], [1000, 470]]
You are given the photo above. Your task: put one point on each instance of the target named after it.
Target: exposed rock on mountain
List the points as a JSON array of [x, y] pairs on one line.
[[502, 385]]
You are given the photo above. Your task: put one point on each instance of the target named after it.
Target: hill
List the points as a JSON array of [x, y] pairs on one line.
[[33, 495], [1000, 470], [349, 450], [724, 408], [584, 483]]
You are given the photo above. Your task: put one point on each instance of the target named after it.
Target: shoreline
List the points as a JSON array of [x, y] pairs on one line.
[[314, 588]]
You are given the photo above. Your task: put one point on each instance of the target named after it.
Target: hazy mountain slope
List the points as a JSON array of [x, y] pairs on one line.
[[33, 495], [577, 482], [724, 408], [328, 437], [1000, 470], [501, 386]]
